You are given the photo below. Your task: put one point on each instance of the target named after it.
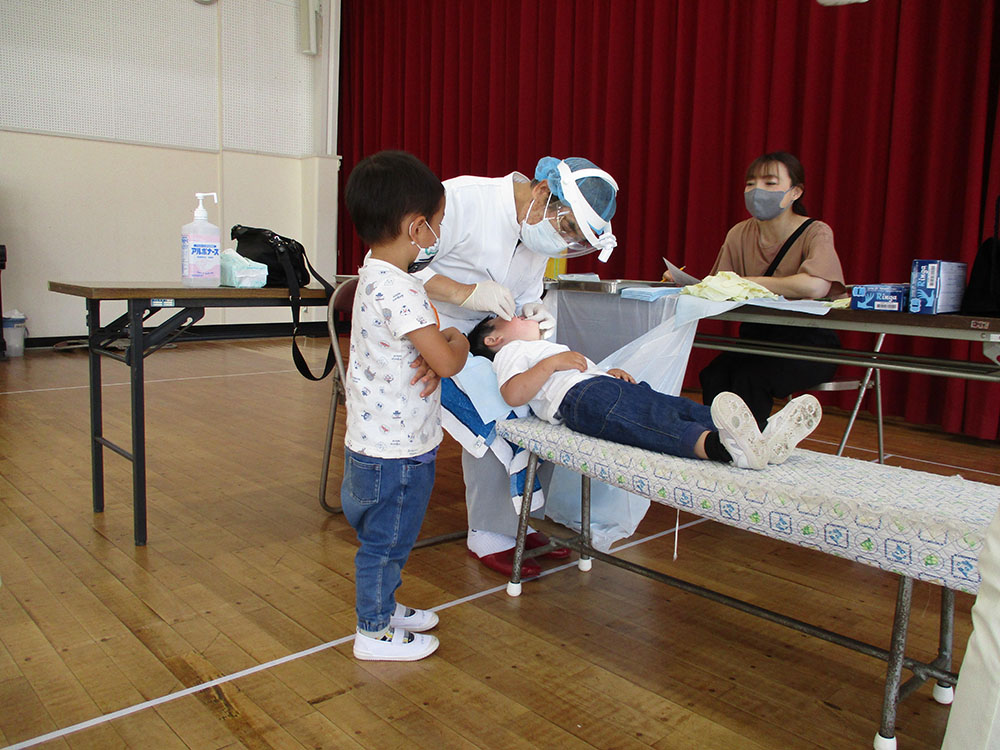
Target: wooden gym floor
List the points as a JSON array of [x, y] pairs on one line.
[[232, 627]]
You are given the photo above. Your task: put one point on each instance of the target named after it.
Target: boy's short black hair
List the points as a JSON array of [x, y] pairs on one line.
[[386, 187], [477, 335]]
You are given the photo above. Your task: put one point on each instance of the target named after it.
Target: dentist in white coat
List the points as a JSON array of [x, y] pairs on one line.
[[496, 237]]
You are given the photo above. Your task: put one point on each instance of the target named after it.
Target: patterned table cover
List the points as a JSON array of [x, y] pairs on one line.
[[908, 522]]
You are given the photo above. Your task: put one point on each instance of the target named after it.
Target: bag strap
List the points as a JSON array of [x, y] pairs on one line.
[[995, 266], [786, 247], [295, 298], [996, 220]]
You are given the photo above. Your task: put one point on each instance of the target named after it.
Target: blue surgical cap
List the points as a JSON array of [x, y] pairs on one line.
[[599, 194]]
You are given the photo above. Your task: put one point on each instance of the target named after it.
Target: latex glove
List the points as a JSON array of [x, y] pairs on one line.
[[546, 320], [490, 296]]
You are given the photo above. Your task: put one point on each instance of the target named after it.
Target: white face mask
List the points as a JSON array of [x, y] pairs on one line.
[[426, 254], [542, 238]]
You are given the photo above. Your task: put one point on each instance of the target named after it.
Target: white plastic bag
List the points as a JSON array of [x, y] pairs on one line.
[[614, 513], [659, 357]]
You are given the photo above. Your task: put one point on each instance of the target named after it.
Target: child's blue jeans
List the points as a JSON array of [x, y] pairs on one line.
[[384, 499], [634, 414]]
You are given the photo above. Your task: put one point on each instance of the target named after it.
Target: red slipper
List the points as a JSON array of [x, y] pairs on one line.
[[537, 539], [503, 563]]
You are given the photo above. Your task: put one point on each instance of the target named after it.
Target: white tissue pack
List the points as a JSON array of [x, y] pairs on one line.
[[241, 272]]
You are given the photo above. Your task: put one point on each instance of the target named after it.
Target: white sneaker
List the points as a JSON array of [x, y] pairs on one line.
[[788, 427], [403, 646], [414, 620], [738, 432]]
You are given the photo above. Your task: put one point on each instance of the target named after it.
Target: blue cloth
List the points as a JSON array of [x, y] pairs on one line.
[[460, 405], [649, 293], [384, 500], [634, 414], [478, 380]]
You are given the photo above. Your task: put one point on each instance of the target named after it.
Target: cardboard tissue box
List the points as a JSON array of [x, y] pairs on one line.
[[936, 286], [886, 297]]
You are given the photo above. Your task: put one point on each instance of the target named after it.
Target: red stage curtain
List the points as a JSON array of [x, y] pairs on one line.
[[891, 105]]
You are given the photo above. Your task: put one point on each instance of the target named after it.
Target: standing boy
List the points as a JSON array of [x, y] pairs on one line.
[[393, 431]]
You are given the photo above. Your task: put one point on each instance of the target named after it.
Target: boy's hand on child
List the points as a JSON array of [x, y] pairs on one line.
[[621, 375], [568, 361]]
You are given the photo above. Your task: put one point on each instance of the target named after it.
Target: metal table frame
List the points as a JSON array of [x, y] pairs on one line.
[[949, 327], [143, 302], [895, 690]]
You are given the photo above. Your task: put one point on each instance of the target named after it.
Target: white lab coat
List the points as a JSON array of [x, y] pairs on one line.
[[480, 241]]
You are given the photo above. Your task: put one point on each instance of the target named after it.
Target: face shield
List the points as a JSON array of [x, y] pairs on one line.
[[557, 233], [591, 230]]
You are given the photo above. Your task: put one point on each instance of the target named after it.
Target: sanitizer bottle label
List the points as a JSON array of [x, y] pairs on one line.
[[200, 258]]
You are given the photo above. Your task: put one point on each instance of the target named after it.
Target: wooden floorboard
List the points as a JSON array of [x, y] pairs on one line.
[[243, 568]]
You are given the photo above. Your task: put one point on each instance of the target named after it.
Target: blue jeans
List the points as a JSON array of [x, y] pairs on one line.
[[634, 414], [384, 500]]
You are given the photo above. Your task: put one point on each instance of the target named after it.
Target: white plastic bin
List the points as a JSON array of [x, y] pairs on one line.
[[14, 331]]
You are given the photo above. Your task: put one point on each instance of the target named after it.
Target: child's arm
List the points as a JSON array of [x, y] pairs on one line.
[[521, 388], [445, 352]]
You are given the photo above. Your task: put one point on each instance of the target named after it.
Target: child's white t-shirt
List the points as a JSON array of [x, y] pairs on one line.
[[519, 356], [386, 417]]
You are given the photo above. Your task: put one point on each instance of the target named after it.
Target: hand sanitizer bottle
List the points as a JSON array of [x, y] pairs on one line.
[[200, 248]]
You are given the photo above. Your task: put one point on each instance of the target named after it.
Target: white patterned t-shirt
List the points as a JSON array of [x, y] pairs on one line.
[[386, 417]]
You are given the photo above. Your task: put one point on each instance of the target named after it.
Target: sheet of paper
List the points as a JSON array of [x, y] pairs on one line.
[[681, 278]]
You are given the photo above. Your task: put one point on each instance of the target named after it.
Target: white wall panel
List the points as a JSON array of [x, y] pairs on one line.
[[148, 71], [137, 72], [267, 83]]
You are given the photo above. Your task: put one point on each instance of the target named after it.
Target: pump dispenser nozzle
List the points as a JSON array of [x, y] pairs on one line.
[[200, 212]]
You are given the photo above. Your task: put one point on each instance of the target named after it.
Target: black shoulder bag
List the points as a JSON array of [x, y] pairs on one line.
[[982, 295], [786, 247], [778, 333], [286, 263]]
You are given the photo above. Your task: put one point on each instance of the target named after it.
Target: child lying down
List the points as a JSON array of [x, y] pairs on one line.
[[563, 386]]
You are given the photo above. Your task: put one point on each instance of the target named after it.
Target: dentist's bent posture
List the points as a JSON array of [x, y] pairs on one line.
[[496, 237]]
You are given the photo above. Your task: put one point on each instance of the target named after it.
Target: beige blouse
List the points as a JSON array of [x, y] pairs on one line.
[[813, 253]]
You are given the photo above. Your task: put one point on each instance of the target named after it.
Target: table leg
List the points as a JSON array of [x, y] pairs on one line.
[[136, 308], [885, 739], [96, 405]]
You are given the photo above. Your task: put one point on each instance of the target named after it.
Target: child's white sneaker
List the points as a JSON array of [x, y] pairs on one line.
[[414, 620], [788, 427], [738, 431], [402, 645]]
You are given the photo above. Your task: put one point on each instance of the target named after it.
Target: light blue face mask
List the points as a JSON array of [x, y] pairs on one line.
[[765, 204], [426, 254]]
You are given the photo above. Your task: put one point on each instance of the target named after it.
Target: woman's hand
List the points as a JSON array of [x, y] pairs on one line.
[[621, 375], [667, 276], [426, 375]]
